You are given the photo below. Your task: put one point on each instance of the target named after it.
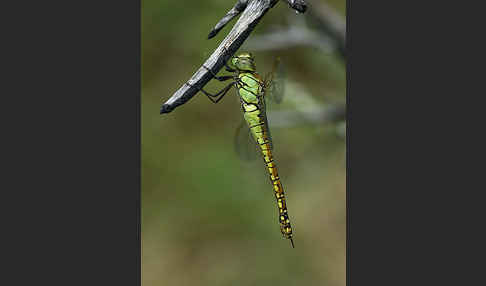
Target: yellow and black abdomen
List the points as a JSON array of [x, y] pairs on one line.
[[250, 91]]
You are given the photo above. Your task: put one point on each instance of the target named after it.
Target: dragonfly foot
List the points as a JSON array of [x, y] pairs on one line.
[[221, 93]]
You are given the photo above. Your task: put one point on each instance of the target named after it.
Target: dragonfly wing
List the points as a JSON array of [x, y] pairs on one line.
[[274, 90], [275, 83], [245, 146]]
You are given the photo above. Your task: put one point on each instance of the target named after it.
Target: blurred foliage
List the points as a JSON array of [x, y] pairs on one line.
[[209, 218]]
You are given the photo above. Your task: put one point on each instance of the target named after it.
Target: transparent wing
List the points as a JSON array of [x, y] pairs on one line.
[[275, 83], [245, 146], [274, 91]]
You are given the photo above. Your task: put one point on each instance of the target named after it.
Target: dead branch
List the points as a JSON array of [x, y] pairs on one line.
[[251, 13]]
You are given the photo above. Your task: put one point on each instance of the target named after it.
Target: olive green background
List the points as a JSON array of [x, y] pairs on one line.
[[209, 218]]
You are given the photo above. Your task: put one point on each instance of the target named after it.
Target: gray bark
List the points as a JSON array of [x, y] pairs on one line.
[[251, 13]]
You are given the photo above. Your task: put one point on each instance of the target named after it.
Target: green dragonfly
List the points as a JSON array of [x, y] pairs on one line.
[[254, 93]]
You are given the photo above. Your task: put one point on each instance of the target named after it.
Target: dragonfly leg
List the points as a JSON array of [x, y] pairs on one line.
[[226, 63], [221, 93], [220, 78]]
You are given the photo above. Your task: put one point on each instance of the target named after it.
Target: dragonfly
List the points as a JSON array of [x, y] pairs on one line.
[[254, 94]]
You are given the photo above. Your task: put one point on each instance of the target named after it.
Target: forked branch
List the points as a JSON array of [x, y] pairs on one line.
[[251, 13]]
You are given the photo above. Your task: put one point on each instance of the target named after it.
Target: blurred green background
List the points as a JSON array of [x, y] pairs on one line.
[[209, 218]]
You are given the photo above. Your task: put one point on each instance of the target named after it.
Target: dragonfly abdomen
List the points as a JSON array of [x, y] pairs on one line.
[[250, 90], [284, 220], [258, 129]]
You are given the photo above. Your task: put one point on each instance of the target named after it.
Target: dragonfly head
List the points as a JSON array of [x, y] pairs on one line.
[[243, 62]]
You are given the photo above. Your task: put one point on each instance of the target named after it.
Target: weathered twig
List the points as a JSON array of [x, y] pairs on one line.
[[251, 13], [237, 9]]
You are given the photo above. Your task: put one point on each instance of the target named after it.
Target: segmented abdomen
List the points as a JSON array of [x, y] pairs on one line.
[[250, 96], [284, 221]]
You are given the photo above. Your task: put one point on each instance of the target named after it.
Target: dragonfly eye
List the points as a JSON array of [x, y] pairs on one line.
[[244, 61], [245, 55]]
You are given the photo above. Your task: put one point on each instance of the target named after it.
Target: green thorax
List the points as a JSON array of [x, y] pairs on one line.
[[250, 90], [250, 87]]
